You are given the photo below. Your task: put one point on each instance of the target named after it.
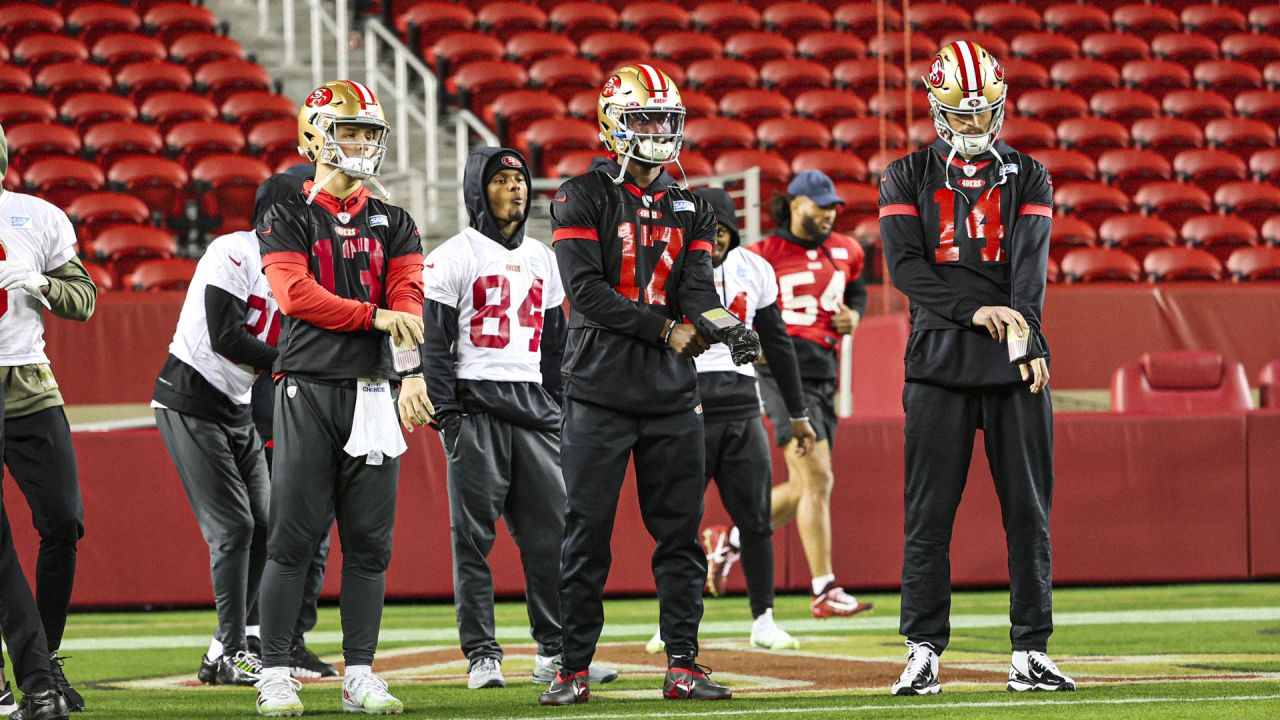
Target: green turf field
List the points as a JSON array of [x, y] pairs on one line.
[[1193, 651]]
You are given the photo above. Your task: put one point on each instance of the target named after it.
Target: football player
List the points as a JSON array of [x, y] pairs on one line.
[[966, 225], [346, 270], [634, 251], [39, 271], [822, 296], [494, 340], [737, 449]]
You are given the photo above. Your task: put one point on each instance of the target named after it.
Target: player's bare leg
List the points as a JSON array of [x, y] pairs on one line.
[[785, 497], [813, 510]]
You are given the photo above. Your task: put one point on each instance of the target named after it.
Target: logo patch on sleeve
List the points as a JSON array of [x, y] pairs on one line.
[[840, 253], [683, 206], [376, 220], [19, 221]]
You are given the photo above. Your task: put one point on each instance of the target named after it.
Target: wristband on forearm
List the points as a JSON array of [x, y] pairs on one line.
[[802, 418], [666, 334]]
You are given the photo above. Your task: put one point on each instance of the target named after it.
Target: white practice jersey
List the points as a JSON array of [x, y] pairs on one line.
[[38, 235], [232, 263], [501, 296], [745, 283]]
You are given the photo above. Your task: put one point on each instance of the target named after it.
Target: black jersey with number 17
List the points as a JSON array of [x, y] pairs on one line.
[[631, 258], [984, 240]]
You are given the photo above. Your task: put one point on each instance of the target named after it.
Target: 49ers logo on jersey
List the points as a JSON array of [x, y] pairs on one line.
[[611, 86], [322, 96], [936, 76]]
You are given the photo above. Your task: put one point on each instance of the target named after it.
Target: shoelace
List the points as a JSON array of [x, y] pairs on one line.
[[247, 662], [487, 665], [917, 659], [55, 667], [363, 685], [279, 689], [1044, 662]]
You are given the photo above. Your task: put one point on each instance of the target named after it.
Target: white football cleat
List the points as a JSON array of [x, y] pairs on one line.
[[486, 672], [1035, 671], [766, 634], [367, 693], [921, 675], [278, 694]]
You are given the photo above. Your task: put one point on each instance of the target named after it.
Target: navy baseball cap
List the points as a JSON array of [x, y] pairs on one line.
[[815, 185]]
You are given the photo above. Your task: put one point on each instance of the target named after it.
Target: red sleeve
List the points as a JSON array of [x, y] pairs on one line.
[[404, 283], [300, 296]]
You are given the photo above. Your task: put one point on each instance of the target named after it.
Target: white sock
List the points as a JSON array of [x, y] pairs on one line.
[[355, 670], [820, 583], [215, 650], [270, 672], [253, 631], [735, 538]]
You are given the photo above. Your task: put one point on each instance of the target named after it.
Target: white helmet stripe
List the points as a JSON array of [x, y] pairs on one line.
[[656, 82], [366, 95], [970, 71]]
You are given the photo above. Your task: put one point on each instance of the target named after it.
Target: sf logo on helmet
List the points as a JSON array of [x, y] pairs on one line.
[[611, 86], [936, 77], [322, 96]]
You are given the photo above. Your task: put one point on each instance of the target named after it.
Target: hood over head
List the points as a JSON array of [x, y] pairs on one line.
[[482, 165], [726, 213]]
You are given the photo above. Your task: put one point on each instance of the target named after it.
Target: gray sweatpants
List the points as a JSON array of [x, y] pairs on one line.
[[497, 469], [312, 480], [225, 475]]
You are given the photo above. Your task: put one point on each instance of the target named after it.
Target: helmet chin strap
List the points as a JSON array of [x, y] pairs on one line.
[[317, 187]]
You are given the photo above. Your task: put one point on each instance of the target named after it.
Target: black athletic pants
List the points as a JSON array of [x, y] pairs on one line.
[[1018, 433], [20, 620], [595, 444], [738, 459], [42, 461]]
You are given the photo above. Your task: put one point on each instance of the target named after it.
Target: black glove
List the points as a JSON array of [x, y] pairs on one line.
[[744, 344], [450, 426]]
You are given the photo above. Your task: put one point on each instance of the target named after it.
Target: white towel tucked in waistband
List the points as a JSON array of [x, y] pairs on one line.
[[375, 429]]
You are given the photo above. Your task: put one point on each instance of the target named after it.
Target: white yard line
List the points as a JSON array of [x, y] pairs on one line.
[[520, 633]]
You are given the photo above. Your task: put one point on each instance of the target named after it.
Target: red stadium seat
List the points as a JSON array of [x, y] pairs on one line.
[[1093, 136], [226, 185], [60, 81], [829, 106], [725, 18], [1076, 21], [275, 141], [1227, 77], [1084, 77], [1265, 19], [752, 106], [110, 141], [167, 109], [611, 49], [1028, 134], [197, 139], [694, 165], [1053, 271], [1100, 265], [893, 105], [565, 76], [1124, 105], [1173, 202], [829, 46], [61, 179], [1063, 165], [758, 47], [1176, 264], [861, 135], [1168, 136], [861, 201], [479, 84], [1255, 263], [1242, 136], [775, 173], [36, 51], [511, 113], [119, 49], [860, 18], [168, 274], [1263, 105], [1251, 200], [20, 19], [32, 142], [13, 180], [1051, 106], [892, 48], [94, 212], [1257, 50], [684, 48], [452, 51], [508, 19], [1091, 202], [1026, 73], [196, 49], [1264, 166], [424, 22], [85, 110], [1271, 230], [158, 182], [794, 19], [14, 79], [711, 136], [652, 18], [140, 80], [1196, 105], [1157, 77], [1115, 48], [1186, 49], [839, 166], [1271, 75], [935, 18], [1006, 20], [1137, 235], [1069, 233], [18, 109], [717, 77], [530, 47], [863, 77], [1219, 234], [575, 163], [696, 104], [251, 107], [792, 77], [922, 132], [579, 19], [223, 78], [1214, 21], [1209, 169], [1180, 382], [1146, 21], [170, 21], [789, 136], [100, 276], [546, 141], [1044, 47]]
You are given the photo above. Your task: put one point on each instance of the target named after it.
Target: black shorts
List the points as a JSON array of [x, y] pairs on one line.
[[819, 398]]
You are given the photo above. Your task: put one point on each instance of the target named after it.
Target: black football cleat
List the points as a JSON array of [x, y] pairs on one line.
[[921, 674], [1034, 671], [693, 683], [7, 702], [305, 664], [208, 674], [569, 688], [43, 705], [74, 701]]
